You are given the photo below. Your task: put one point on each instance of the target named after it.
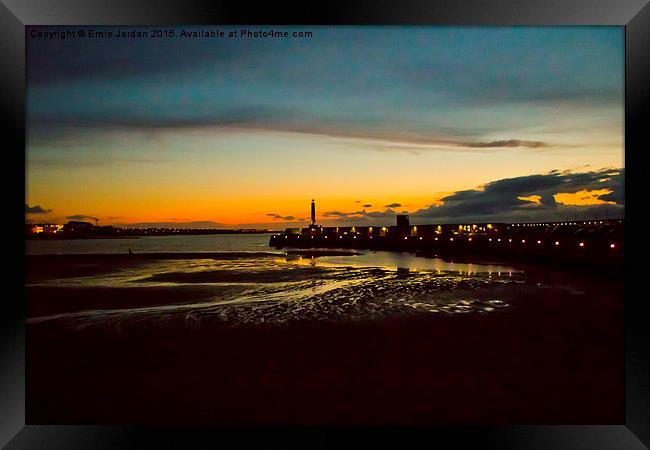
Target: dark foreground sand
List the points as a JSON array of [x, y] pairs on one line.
[[551, 357]]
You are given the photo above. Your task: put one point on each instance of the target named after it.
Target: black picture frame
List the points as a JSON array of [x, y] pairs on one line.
[[634, 15]]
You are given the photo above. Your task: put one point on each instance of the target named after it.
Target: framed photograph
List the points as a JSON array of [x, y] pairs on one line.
[[406, 219]]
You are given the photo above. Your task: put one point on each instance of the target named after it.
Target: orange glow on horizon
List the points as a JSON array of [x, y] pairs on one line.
[[235, 210]]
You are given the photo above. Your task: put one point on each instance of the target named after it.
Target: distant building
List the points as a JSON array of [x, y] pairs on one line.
[[74, 226], [39, 228], [403, 225], [31, 228], [52, 228]]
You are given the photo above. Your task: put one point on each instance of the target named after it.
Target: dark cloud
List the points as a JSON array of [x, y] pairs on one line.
[[616, 183], [111, 59], [275, 216], [393, 205], [388, 213], [500, 200], [358, 215], [338, 214], [36, 209], [367, 205], [508, 143], [617, 197], [66, 162], [251, 116], [416, 144], [62, 129], [81, 217]]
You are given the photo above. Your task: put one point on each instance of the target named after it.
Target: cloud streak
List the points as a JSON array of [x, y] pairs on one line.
[[507, 144], [36, 209], [82, 217], [275, 216], [360, 215]]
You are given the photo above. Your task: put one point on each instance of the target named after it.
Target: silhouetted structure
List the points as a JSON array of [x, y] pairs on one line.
[[312, 229], [403, 224], [583, 244], [75, 226], [402, 220]]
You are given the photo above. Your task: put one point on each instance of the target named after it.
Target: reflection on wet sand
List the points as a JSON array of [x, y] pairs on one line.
[[250, 289]]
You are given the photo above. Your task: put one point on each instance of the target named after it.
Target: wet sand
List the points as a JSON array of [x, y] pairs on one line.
[[553, 355]]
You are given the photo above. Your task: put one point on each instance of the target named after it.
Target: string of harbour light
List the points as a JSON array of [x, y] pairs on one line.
[[469, 239], [611, 245], [477, 233]]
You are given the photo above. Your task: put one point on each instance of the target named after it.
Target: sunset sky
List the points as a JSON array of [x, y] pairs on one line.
[[446, 123]]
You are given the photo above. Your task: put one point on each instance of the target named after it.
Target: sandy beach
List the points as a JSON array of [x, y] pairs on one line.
[[538, 359]]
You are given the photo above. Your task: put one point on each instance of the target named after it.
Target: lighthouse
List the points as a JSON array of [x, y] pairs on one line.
[[313, 212]]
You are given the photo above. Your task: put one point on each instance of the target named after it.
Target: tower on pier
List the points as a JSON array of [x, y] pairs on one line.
[[313, 229]]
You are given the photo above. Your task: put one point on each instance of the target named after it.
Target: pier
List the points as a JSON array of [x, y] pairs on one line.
[[585, 244]]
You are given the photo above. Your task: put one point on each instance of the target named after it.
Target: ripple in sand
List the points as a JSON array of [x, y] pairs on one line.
[[335, 294]]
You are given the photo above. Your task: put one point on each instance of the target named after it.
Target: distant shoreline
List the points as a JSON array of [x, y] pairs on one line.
[[77, 238], [184, 255], [140, 234]]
